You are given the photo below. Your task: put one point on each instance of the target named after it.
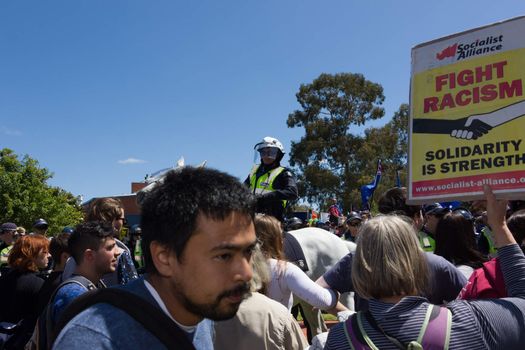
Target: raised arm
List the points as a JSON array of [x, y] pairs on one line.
[[496, 211]]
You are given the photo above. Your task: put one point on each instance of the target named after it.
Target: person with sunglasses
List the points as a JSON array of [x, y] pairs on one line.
[[273, 185]]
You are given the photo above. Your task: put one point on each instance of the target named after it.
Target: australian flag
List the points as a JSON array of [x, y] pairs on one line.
[[368, 190]]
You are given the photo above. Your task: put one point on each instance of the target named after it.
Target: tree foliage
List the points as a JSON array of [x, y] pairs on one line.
[[390, 144], [331, 159], [25, 195]]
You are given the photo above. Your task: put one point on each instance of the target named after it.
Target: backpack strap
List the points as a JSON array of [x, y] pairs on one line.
[[356, 334], [433, 335], [153, 319], [435, 332], [49, 325]]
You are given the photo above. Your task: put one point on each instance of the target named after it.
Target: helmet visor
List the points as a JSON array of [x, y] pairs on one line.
[[266, 152], [270, 152]]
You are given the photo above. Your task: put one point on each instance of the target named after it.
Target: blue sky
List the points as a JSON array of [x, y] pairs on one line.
[[86, 87]]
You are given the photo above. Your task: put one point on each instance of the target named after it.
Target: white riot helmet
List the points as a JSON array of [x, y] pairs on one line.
[[267, 145], [269, 142]]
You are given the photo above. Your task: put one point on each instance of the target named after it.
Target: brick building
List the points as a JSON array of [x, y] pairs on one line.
[[129, 201]]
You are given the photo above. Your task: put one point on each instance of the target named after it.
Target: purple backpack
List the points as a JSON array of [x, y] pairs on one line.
[[434, 333]]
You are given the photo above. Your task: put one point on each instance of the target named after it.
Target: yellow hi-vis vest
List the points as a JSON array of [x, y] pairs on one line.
[[493, 252], [264, 182]]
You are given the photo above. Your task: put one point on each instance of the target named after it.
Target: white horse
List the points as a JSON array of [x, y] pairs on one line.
[[322, 250]]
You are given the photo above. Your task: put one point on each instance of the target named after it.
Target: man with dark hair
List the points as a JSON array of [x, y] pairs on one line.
[[93, 247], [198, 236], [110, 210]]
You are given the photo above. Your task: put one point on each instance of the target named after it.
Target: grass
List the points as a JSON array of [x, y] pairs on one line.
[[326, 317]]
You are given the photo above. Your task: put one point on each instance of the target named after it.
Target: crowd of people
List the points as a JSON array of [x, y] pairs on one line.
[[209, 268]]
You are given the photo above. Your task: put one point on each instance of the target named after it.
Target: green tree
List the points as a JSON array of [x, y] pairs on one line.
[[390, 144], [25, 195], [326, 158]]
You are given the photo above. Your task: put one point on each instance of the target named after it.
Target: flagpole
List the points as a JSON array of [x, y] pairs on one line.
[[379, 171]]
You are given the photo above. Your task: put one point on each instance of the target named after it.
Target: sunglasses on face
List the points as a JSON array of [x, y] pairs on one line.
[[355, 224]]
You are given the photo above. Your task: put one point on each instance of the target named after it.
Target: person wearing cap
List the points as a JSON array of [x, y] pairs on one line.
[[40, 227], [432, 213], [7, 236], [273, 185], [353, 222]]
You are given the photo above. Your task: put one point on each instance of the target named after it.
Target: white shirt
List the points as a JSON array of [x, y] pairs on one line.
[[286, 278]]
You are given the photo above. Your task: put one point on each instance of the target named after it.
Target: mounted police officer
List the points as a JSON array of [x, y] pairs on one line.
[[273, 184]]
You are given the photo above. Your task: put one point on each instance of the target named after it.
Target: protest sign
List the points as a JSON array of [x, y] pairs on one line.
[[467, 114]]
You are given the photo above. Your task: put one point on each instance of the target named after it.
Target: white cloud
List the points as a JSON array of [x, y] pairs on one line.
[[131, 161], [10, 132]]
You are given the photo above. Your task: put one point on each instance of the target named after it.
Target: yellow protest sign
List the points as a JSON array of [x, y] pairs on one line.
[[467, 114]]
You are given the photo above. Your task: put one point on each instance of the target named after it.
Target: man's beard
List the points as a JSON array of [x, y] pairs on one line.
[[212, 310]]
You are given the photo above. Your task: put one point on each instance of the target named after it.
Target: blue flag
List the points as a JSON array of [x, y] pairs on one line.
[[368, 190]]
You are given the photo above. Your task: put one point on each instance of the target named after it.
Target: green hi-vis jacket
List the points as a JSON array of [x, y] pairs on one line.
[[264, 183]]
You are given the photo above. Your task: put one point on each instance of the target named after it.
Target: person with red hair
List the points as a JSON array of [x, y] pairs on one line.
[[19, 287]]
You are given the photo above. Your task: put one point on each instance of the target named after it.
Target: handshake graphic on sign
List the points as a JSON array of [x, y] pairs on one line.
[[471, 127]]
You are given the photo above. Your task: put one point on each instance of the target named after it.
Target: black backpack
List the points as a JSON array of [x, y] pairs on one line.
[[153, 319]]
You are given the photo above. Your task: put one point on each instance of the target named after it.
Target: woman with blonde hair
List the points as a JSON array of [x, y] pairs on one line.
[[389, 269], [19, 288], [285, 277]]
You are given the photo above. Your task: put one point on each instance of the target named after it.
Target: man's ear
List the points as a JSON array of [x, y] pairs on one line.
[[163, 258], [89, 255]]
